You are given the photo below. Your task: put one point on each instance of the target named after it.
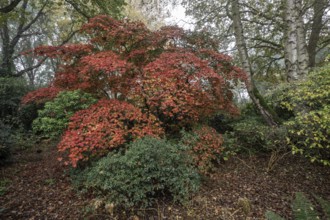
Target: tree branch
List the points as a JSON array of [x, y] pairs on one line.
[[20, 73], [76, 7], [23, 28], [10, 7], [275, 45]]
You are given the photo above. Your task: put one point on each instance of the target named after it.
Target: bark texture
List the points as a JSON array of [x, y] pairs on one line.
[[319, 8], [254, 94], [296, 55]]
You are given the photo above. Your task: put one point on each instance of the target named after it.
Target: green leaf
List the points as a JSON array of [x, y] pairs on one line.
[[303, 209], [273, 216], [325, 206]]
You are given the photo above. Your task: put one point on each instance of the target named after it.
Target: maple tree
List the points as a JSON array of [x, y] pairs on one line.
[[206, 146], [180, 88], [164, 74], [106, 125], [40, 96]]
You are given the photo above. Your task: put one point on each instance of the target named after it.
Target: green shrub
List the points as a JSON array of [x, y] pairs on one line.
[[4, 183], [27, 114], [11, 92], [309, 130], [310, 135], [303, 209], [221, 123], [5, 142], [251, 135], [54, 118], [148, 169]]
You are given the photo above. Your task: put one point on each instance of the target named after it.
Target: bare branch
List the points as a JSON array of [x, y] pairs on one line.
[[76, 7], [274, 45], [10, 7], [20, 73]]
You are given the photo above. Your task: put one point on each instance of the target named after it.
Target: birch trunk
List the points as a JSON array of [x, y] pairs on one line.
[[296, 54], [301, 42], [291, 55], [254, 94]]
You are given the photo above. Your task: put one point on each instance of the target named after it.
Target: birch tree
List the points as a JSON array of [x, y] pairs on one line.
[[256, 98], [296, 56], [268, 25]]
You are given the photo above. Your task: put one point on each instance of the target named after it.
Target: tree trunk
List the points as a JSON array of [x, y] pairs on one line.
[[291, 56], [296, 55], [10, 7], [254, 94], [6, 65], [319, 7], [301, 42]]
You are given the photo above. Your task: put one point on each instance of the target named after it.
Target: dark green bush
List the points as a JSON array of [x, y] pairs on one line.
[[221, 123], [54, 117], [250, 134], [149, 169], [5, 142], [27, 114], [303, 208], [11, 92]]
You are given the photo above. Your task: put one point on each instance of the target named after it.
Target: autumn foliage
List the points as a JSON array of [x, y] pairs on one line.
[[162, 74], [41, 95], [104, 126], [206, 146]]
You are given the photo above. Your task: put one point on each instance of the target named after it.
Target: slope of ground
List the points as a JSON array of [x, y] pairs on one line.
[[39, 187]]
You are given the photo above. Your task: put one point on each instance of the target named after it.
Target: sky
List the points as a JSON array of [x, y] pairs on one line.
[[179, 18]]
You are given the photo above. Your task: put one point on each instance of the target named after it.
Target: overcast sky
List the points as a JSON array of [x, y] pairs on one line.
[[178, 18]]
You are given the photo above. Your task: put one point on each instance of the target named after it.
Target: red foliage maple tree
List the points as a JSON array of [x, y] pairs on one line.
[[162, 73], [40, 96], [106, 125], [206, 147], [180, 88]]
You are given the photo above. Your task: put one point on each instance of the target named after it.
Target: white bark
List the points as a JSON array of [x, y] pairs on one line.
[[291, 60], [246, 65], [296, 56], [301, 43]]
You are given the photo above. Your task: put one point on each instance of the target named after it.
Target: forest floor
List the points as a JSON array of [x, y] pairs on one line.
[[36, 186]]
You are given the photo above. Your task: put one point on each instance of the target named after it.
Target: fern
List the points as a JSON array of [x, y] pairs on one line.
[[325, 206], [273, 216], [303, 209]]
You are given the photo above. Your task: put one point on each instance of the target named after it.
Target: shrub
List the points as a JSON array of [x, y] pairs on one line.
[[27, 114], [310, 135], [181, 88], [40, 96], [54, 118], [302, 208], [149, 168], [309, 130], [250, 134], [221, 123], [160, 72], [11, 92], [5, 142], [106, 125], [206, 147]]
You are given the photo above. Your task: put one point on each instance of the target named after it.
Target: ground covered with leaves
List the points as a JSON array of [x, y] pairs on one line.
[[36, 186]]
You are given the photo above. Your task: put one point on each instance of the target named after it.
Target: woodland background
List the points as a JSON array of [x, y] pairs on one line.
[[121, 115]]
